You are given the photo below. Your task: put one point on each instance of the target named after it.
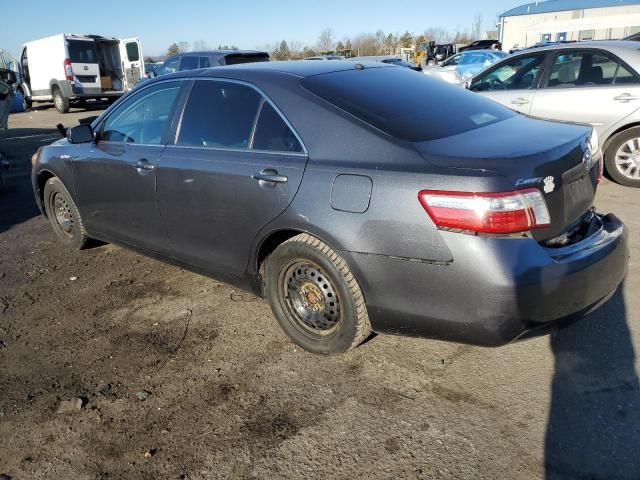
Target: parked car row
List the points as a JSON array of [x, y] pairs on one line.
[[463, 66]]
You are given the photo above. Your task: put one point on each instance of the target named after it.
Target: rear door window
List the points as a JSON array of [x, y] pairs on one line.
[[580, 69], [82, 51], [219, 114], [133, 54], [404, 104], [273, 134]]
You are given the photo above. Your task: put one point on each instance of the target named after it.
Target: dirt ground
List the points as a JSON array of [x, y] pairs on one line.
[[198, 376]]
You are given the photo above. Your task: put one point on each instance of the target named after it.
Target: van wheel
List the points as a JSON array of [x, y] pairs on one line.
[[61, 103], [63, 215], [315, 297], [622, 158]]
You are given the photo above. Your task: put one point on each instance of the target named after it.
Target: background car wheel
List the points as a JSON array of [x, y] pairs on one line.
[[622, 158], [315, 297], [61, 103], [64, 215], [26, 103]]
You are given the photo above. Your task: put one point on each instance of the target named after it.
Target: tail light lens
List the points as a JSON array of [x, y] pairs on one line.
[[504, 212], [68, 71]]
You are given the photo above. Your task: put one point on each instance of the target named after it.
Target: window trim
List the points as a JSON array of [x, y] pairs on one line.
[[175, 132], [600, 51], [166, 134]]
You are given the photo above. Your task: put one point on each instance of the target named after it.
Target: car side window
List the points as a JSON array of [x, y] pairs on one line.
[[169, 66], [204, 62], [142, 118], [455, 60], [273, 134], [587, 69], [189, 62], [219, 114], [514, 74]]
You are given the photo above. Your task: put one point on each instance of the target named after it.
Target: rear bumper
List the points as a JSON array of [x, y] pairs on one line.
[[496, 290], [75, 91]]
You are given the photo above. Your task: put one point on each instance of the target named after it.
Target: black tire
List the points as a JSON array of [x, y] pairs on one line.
[[63, 215], [26, 103], [59, 100], [306, 277], [614, 170]]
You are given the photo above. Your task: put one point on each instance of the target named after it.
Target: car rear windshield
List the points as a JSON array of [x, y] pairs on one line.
[[406, 104], [236, 58], [82, 51]]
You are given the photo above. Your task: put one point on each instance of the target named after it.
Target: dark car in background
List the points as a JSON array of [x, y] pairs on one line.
[[388, 60], [356, 197], [209, 58], [482, 45]]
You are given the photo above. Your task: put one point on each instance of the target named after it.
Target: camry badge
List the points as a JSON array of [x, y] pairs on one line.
[[549, 186]]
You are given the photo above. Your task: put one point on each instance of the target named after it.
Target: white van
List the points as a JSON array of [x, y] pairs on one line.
[[71, 68]]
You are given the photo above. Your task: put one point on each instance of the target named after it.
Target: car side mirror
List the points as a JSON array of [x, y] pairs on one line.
[[467, 84], [12, 78], [152, 74], [80, 134]]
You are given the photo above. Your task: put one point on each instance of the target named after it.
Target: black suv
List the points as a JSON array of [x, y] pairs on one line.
[[483, 45], [210, 58]]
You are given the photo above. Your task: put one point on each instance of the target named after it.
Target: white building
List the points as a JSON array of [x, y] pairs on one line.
[[559, 20]]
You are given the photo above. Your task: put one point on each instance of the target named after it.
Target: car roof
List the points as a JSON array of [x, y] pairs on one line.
[[298, 68], [604, 44], [219, 52]]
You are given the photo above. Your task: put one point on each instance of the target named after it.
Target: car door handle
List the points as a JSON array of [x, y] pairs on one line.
[[520, 101], [270, 175], [625, 97], [143, 164]]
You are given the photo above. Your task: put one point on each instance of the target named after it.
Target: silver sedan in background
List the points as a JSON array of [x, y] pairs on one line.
[[597, 83], [461, 67]]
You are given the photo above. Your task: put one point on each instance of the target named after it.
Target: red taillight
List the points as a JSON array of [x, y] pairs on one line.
[[503, 212], [68, 71]]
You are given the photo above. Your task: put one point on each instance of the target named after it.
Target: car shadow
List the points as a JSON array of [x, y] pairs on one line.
[[593, 429], [17, 145]]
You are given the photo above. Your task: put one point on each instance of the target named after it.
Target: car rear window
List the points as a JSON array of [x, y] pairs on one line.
[[406, 104], [82, 51], [236, 58]]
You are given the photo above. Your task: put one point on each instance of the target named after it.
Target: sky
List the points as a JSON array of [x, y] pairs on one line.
[[246, 24]]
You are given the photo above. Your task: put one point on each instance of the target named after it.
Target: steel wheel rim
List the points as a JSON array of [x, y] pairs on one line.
[[628, 159], [310, 298], [58, 100], [63, 215]]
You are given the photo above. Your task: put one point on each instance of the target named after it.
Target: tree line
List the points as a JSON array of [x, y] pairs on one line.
[[363, 44]]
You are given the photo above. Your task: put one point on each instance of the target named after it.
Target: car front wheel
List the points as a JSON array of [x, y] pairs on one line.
[[315, 297], [622, 158]]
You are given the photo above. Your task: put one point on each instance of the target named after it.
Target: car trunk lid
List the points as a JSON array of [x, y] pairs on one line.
[[530, 153]]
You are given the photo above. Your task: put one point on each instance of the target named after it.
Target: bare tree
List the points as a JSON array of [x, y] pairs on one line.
[[437, 34], [183, 47], [200, 45], [326, 40], [476, 29]]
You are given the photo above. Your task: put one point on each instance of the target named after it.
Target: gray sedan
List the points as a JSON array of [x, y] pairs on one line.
[[355, 197], [596, 83], [463, 66]]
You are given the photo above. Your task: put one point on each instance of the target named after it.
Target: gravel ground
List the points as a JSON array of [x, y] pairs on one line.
[[183, 377]]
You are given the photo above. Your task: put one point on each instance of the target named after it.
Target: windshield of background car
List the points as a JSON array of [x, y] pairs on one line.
[[82, 51], [406, 104]]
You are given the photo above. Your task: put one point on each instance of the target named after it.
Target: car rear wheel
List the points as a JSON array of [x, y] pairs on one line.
[[622, 158], [315, 297], [64, 215], [61, 103]]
